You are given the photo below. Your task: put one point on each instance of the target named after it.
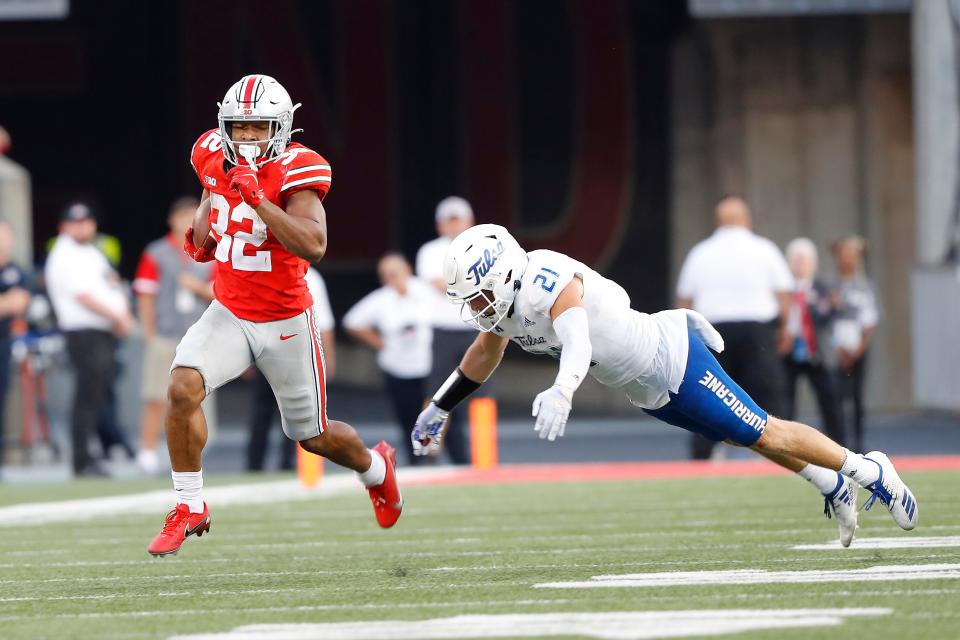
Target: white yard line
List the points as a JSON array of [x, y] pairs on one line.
[[33, 513], [154, 612], [892, 573], [342, 588], [904, 542], [427, 570], [603, 626]]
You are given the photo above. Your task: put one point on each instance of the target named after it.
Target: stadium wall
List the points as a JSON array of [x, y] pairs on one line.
[[810, 119]]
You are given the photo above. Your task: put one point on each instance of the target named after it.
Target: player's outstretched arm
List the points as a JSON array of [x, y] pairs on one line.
[[483, 356], [552, 407], [478, 363]]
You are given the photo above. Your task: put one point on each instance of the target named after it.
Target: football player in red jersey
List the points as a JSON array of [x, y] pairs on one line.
[[262, 196]]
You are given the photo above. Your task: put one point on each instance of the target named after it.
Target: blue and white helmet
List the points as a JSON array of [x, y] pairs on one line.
[[257, 97], [484, 261]]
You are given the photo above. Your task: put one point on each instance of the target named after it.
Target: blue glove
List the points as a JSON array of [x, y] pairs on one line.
[[426, 433]]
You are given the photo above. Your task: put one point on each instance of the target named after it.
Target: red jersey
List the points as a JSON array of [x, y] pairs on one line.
[[257, 278]]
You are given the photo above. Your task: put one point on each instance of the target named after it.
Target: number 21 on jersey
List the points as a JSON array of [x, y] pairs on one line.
[[231, 246], [543, 279]]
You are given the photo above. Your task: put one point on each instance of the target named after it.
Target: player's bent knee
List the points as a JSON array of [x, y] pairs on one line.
[[186, 390], [771, 439], [323, 445]]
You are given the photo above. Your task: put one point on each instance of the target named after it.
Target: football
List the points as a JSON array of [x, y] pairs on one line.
[[201, 226]]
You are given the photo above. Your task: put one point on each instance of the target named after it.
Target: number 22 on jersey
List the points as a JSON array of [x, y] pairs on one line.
[[231, 246]]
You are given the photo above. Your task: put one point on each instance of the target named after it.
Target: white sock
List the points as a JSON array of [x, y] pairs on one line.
[[825, 480], [862, 471], [188, 486], [377, 471]]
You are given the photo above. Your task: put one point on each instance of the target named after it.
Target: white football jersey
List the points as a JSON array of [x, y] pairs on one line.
[[628, 346]]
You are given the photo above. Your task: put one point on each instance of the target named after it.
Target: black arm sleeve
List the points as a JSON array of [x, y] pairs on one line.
[[454, 390]]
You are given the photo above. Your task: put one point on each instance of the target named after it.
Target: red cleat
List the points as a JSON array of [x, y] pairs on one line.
[[387, 501], [180, 524]]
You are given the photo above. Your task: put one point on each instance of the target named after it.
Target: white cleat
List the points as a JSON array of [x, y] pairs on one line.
[[843, 503], [890, 490]]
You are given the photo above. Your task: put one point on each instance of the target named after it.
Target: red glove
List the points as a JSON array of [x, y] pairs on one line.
[[203, 254], [244, 180]]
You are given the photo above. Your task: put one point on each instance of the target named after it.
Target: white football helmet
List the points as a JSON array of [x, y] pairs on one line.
[[482, 268], [257, 97]]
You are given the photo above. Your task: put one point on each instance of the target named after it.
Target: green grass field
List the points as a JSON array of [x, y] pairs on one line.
[[469, 550]]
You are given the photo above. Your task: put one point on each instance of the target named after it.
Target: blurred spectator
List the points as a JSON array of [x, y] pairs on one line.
[[109, 431], [810, 314], [4, 142], [264, 409], [395, 321], [451, 335], [14, 300], [856, 319], [92, 311], [741, 283], [172, 292]]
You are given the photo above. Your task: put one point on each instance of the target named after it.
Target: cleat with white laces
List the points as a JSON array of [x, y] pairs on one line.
[[842, 502], [891, 491], [179, 525], [386, 498]]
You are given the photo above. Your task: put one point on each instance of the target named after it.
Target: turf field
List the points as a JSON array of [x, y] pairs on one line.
[[486, 550]]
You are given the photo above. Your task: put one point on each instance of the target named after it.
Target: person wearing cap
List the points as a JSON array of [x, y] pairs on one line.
[[451, 335], [92, 312]]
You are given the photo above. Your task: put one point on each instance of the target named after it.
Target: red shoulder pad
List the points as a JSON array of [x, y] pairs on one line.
[[207, 148], [304, 168]]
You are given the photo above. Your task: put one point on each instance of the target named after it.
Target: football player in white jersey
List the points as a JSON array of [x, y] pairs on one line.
[[549, 303]]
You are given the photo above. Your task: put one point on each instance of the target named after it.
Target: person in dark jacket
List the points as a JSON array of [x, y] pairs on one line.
[[809, 320]]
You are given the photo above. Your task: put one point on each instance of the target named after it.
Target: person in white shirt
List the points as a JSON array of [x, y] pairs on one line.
[[92, 312], [395, 321], [264, 409], [450, 335], [551, 304], [740, 282]]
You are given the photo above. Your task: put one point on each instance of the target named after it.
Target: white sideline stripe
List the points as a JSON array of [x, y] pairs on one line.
[[629, 625], [158, 502], [761, 576], [905, 542], [301, 608]]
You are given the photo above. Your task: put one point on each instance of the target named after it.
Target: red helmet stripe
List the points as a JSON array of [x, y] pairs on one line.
[[248, 92]]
